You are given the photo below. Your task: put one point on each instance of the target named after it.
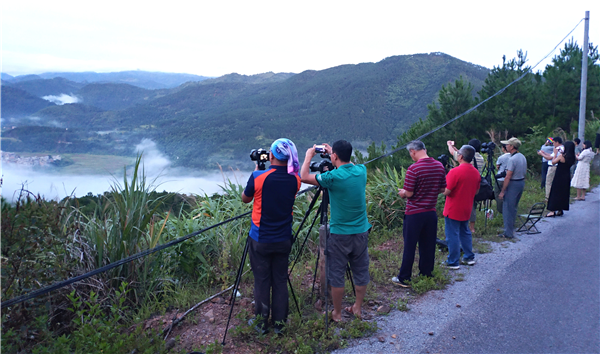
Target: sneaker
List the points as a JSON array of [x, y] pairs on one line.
[[258, 327], [399, 282], [468, 261], [453, 267]]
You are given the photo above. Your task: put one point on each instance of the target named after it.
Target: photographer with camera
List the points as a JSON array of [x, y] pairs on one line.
[[424, 180], [479, 164], [274, 192], [348, 241], [501, 164], [462, 183], [513, 185]]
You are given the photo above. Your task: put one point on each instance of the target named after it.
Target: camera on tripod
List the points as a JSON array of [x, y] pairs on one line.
[[323, 165], [445, 160], [488, 148], [261, 156]]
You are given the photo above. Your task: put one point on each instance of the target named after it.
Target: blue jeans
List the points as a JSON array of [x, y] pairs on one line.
[[458, 235]]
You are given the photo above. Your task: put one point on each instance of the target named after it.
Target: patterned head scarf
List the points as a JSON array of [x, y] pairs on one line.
[[284, 149]]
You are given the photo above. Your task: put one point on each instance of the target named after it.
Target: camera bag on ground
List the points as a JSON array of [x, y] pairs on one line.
[[486, 192]]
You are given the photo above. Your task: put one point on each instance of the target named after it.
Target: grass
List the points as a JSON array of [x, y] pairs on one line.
[[95, 164]]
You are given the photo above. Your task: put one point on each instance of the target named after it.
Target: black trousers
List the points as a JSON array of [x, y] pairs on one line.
[[544, 173], [269, 263], [418, 228]]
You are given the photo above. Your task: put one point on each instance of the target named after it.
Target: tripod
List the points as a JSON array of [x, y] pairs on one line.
[[489, 171], [245, 253]]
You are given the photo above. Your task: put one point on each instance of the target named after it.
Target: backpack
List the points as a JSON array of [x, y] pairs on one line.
[[486, 192]]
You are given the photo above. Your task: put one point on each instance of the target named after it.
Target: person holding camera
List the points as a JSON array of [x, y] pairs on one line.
[[501, 164], [348, 241], [274, 193], [479, 163], [513, 185], [558, 150], [547, 148], [424, 180], [581, 178], [462, 183]]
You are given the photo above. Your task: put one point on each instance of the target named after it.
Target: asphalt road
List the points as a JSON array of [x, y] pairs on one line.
[[538, 295]]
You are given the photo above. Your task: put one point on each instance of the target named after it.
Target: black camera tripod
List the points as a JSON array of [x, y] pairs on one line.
[[489, 173]]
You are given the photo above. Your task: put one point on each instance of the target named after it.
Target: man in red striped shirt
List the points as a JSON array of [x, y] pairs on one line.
[[424, 180]]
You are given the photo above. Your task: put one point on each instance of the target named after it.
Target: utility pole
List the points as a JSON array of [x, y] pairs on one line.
[[584, 69]]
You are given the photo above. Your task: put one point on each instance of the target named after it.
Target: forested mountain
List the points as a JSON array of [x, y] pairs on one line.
[[249, 79], [220, 120], [143, 79], [17, 103], [46, 87], [109, 96]]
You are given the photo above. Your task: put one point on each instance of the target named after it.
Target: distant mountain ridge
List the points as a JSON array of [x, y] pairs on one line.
[[144, 79], [199, 124]]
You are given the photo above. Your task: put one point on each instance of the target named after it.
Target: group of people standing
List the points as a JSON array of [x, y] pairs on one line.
[[270, 239], [558, 160], [274, 190], [426, 179]]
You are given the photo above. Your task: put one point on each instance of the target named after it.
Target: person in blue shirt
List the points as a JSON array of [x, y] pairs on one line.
[[274, 192]]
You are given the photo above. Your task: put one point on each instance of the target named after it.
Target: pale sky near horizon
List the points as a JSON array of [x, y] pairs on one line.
[[214, 38]]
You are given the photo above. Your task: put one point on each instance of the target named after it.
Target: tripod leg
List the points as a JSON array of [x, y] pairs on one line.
[[294, 296], [312, 292], [237, 283], [349, 274]]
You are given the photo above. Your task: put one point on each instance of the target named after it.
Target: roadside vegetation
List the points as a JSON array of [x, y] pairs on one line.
[[128, 308]]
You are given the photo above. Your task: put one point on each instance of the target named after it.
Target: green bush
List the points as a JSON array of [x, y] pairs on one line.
[[93, 331]]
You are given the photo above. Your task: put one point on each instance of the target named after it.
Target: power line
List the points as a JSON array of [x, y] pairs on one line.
[[480, 103], [64, 283]]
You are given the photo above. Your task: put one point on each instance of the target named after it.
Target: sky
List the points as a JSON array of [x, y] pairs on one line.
[[214, 38]]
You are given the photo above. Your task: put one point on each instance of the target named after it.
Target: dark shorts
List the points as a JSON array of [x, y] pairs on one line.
[[344, 249]]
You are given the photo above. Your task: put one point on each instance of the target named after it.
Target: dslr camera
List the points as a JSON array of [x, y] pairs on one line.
[[488, 148], [323, 165], [261, 156], [445, 160]]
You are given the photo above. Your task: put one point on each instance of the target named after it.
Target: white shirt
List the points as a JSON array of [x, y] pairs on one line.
[[561, 150]]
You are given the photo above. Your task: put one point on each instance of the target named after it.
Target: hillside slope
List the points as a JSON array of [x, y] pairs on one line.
[[219, 121]]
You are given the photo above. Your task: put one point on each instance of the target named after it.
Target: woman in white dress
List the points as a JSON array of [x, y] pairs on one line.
[[581, 178]]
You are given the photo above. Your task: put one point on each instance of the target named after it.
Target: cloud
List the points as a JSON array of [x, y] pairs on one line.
[[31, 120], [153, 160], [62, 99]]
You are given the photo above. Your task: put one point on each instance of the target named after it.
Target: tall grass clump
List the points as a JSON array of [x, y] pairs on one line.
[[385, 208], [126, 222]]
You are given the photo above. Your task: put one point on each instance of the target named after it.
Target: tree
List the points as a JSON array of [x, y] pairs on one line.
[[562, 87], [518, 107]]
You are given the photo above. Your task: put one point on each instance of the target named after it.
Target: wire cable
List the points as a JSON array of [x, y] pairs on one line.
[[480, 103], [105, 268]]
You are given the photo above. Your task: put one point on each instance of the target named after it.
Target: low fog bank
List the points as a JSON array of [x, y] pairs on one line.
[[53, 185]]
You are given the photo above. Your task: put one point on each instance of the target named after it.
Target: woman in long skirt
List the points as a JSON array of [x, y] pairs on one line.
[[561, 185], [581, 178]]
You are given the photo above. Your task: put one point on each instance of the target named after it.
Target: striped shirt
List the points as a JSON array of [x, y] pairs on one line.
[[425, 178]]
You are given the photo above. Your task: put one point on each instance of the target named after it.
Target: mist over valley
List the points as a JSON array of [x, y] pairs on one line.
[[203, 124]]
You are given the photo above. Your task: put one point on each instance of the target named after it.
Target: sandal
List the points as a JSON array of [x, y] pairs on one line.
[[350, 310], [551, 214], [330, 317]]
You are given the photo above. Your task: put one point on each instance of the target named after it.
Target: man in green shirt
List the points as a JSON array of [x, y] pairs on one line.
[[349, 225]]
